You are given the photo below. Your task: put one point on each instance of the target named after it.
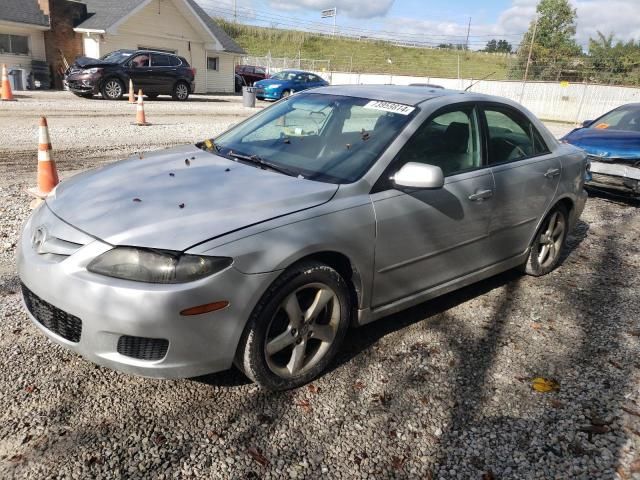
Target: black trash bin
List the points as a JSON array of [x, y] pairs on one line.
[[249, 97]]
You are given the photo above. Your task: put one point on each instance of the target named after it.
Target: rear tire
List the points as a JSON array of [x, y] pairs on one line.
[[180, 91], [112, 89], [547, 246], [296, 328]]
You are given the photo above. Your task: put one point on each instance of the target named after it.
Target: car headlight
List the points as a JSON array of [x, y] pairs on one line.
[[156, 266], [93, 70], [274, 85]]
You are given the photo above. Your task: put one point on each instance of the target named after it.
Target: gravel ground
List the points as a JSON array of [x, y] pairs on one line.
[[442, 390]]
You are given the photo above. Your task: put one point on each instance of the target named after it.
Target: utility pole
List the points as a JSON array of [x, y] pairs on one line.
[[526, 69], [235, 11], [468, 31]]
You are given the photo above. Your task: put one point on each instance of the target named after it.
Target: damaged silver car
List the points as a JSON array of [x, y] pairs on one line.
[[332, 208]]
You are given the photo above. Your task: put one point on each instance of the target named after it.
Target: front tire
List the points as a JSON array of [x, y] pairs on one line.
[[296, 328], [546, 249], [180, 91], [285, 94], [113, 89]]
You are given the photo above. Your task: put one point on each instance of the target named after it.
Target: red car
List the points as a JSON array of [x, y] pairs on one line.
[[251, 74]]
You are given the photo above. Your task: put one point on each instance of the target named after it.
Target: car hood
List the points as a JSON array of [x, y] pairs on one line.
[[84, 62], [176, 198], [606, 143]]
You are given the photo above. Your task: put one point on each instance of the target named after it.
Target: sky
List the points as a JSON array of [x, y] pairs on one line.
[[431, 21]]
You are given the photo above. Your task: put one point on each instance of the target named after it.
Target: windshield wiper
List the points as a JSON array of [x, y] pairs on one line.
[[258, 160]]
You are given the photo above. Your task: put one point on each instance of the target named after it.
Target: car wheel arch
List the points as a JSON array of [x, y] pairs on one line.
[[342, 264], [566, 202]]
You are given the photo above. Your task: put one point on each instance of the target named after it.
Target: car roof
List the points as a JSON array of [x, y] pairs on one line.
[[407, 95]]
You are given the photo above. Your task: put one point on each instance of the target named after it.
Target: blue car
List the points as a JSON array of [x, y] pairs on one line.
[[612, 143], [286, 82]]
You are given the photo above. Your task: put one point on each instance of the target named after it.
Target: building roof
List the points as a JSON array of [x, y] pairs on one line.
[[23, 11], [102, 14]]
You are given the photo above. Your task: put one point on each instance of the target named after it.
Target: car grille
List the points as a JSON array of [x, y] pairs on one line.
[[143, 348], [52, 318]]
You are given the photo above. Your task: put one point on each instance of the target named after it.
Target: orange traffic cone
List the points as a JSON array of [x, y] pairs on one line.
[[141, 120], [132, 95], [47, 172], [6, 94]]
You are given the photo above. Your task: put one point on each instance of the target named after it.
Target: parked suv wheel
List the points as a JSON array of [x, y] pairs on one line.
[[297, 327], [113, 89], [181, 91]]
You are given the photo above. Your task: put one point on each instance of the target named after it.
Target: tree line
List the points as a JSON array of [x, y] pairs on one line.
[[551, 50]]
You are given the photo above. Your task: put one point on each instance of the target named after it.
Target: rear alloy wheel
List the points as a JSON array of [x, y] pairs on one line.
[[296, 328], [181, 91], [112, 89], [546, 249]]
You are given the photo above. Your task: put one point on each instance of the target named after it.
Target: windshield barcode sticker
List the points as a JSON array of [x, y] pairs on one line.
[[390, 107]]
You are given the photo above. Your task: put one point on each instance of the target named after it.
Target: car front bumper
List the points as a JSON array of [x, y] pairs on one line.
[[60, 289], [265, 94], [617, 176], [84, 83]]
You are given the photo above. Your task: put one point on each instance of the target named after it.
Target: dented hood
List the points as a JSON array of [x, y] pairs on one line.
[[163, 201], [84, 62]]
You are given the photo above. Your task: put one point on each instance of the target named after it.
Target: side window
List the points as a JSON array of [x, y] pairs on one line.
[[212, 63], [175, 61], [511, 136], [140, 61], [160, 60], [260, 71], [449, 140]]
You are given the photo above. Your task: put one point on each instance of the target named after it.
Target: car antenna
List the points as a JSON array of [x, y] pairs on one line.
[[479, 80]]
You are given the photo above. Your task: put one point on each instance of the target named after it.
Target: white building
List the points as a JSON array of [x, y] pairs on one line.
[[177, 26]]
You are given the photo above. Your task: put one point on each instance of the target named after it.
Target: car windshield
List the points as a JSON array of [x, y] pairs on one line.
[[285, 76], [327, 138], [117, 56], [627, 119]]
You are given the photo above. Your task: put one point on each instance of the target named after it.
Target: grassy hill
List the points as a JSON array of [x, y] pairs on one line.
[[364, 56]]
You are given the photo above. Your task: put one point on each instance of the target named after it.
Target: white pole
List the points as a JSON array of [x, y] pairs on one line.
[[335, 14]]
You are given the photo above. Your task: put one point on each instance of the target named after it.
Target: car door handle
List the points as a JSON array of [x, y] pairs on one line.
[[480, 195], [552, 172]]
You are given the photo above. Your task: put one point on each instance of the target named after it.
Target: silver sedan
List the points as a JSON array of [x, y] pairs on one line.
[[332, 208]]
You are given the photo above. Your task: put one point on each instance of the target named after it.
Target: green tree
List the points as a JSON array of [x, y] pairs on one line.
[[501, 46], [617, 63], [554, 52]]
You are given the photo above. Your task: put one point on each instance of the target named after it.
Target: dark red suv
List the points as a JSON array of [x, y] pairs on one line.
[[156, 73], [251, 74]]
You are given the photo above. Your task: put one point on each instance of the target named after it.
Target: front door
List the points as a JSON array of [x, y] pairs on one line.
[[526, 176], [426, 238], [139, 70]]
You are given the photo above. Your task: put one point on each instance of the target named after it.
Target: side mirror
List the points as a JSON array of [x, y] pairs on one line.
[[419, 175], [586, 123]]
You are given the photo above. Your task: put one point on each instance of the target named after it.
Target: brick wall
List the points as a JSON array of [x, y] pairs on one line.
[[64, 15]]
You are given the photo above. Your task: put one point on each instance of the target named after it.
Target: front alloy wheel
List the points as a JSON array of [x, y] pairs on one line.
[[112, 89], [296, 328]]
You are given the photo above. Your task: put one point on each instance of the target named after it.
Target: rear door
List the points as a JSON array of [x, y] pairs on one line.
[[526, 176], [164, 73]]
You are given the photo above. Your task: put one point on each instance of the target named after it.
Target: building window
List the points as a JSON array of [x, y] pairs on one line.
[[212, 63], [14, 44]]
